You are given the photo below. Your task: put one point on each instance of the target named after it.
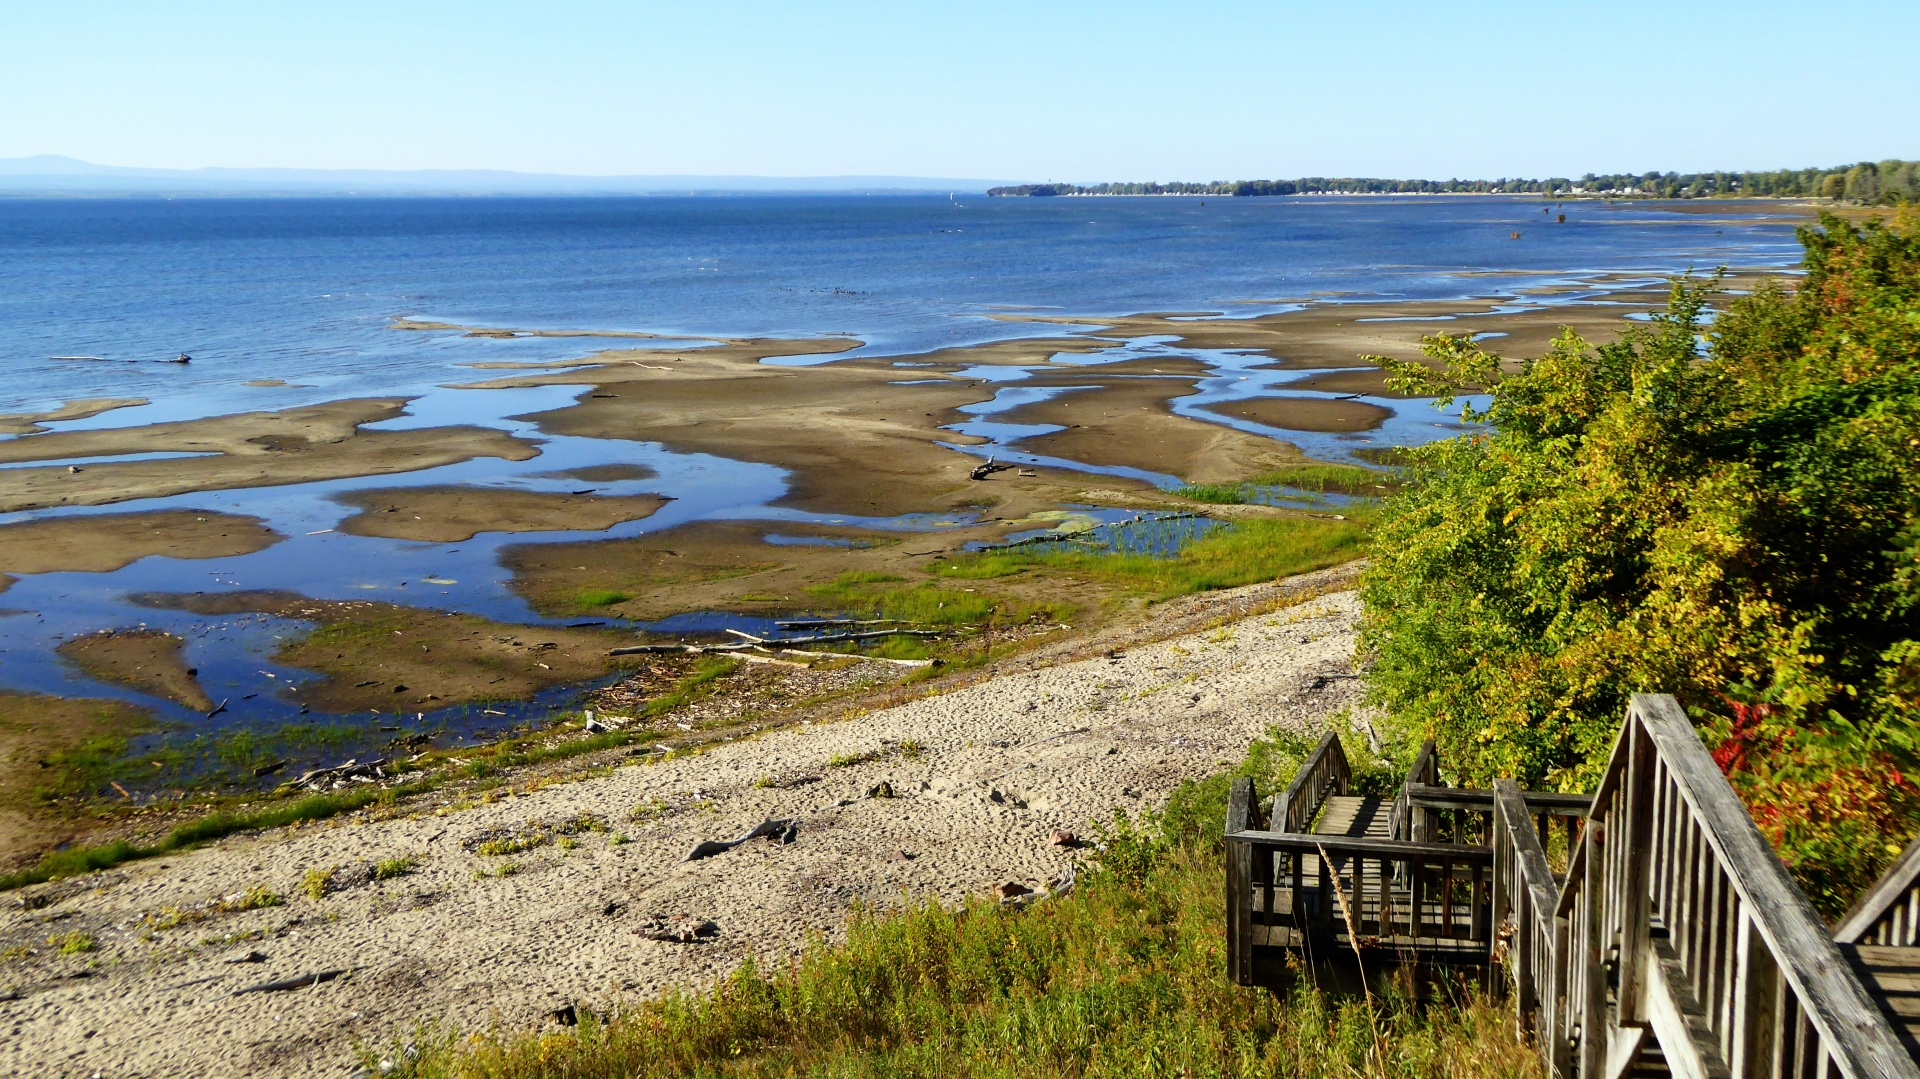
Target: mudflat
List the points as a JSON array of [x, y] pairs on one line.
[[253, 449], [507, 907], [386, 657], [97, 543], [455, 513], [143, 660]]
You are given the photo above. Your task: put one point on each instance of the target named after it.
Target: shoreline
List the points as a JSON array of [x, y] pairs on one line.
[[978, 778], [864, 442]]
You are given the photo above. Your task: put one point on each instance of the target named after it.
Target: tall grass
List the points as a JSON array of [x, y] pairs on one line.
[[1123, 977], [1317, 477], [1243, 553]]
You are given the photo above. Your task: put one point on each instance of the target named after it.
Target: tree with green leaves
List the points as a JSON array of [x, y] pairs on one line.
[[1727, 510]]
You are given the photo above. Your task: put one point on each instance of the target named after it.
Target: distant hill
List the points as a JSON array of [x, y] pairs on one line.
[[1869, 182], [51, 174]]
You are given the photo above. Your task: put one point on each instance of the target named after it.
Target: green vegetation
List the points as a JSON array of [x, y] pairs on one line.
[[1884, 182], [74, 943], [257, 897], [194, 833], [1242, 553], [318, 882], [1125, 976], [389, 868], [1318, 478], [923, 604], [1730, 514], [599, 597]]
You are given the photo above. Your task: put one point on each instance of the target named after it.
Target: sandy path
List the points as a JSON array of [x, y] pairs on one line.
[[1000, 764]]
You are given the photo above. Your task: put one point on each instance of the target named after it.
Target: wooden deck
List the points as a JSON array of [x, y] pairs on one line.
[[1355, 815]]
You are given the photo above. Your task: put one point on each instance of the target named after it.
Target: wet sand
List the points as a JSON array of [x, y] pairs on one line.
[[36, 811], [995, 767], [1128, 423], [30, 423], [385, 657], [105, 542], [253, 449], [453, 514], [1298, 414], [145, 661]]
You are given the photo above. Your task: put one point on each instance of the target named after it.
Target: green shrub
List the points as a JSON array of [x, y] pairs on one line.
[[1735, 522]]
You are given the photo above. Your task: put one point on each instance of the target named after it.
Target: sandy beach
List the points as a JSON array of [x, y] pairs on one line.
[[980, 777]]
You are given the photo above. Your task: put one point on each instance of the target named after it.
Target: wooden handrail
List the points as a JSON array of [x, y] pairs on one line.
[[1407, 821], [1560, 805], [1526, 904], [1675, 898], [1324, 772], [1890, 911]]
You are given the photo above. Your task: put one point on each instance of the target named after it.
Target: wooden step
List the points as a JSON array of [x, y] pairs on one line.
[[1892, 978], [1353, 815]]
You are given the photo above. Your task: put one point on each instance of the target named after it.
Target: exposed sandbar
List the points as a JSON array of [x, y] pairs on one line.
[[604, 473], [387, 657], [143, 660], [29, 423], [1128, 424], [252, 449], [1306, 414], [455, 513], [102, 543]]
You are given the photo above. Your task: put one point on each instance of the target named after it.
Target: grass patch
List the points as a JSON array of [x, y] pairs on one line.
[[1317, 478], [1123, 977], [317, 882], [216, 825], [389, 868], [848, 760], [923, 604], [74, 943], [1245, 552], [599, 597]]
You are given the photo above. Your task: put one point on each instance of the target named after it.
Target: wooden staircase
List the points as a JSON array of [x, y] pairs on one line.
[[1673, 943]]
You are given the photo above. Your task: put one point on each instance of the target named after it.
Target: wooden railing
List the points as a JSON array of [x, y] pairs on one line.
[[1408, 822], [1325, 772], [1329, 896], [1889, 914], [1677, 923], [1526, 902]]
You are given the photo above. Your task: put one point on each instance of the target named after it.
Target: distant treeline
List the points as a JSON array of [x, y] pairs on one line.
[[1867, 182]]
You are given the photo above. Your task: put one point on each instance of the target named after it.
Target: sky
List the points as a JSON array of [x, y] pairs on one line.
[[1039, 90]]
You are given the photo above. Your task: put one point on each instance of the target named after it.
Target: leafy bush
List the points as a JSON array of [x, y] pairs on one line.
[[1727, 513]]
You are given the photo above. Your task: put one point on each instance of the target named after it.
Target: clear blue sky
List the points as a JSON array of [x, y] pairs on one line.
[[1042, 89]]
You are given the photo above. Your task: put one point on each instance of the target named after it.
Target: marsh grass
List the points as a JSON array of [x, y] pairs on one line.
[[1317, 477], [589, 598], [1125, 976], [881, 595], [1244, 553]]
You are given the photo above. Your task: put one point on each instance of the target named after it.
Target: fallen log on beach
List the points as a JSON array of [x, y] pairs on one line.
[[304, 981]]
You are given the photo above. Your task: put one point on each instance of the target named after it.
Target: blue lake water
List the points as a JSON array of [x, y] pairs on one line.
[[305, 290]]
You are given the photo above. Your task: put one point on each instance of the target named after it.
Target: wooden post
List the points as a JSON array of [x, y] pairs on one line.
[[1240, 799]]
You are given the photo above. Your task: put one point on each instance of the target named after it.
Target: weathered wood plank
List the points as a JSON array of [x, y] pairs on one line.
[[1365, 847], [1894, 889], [1852, 1030]]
